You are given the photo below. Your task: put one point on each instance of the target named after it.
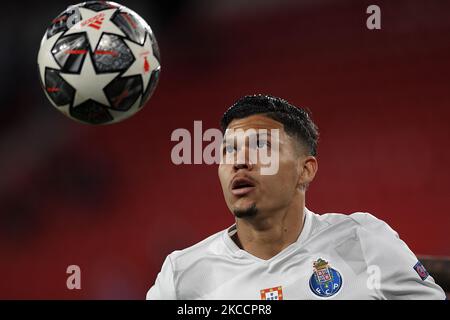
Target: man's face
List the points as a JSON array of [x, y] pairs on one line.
[[248, 192]]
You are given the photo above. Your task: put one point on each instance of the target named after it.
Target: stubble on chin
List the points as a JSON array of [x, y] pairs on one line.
[[248, 212]]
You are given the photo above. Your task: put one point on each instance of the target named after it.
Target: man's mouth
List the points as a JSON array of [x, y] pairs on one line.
[[242, 186]]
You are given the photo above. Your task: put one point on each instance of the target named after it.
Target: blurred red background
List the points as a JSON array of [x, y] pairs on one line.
[[109, 198]]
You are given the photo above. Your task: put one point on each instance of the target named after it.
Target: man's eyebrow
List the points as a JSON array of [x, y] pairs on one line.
[[230, 136], [257, 131]]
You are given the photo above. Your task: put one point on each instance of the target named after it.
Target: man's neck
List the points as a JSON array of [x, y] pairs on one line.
[[266, 235]]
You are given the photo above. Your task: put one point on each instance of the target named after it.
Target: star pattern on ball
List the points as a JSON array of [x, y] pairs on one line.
[[145, 61], [45, 55], [92, 89], [95, 23]]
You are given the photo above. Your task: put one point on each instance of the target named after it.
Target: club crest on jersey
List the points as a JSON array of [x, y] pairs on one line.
[[275, 293], [325, 281]]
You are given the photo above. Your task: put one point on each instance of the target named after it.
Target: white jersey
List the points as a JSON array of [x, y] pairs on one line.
[[336, 256]]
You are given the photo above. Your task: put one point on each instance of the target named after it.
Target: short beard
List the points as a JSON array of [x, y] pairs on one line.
[[246, 213]]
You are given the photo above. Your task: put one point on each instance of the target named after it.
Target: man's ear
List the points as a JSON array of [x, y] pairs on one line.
[[307, 167]]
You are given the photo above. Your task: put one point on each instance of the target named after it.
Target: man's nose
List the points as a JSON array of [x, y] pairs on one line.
[[245, 159], [246, 165]]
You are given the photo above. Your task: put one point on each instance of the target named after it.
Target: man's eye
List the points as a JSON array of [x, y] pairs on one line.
[[262, 144], [228, 149]]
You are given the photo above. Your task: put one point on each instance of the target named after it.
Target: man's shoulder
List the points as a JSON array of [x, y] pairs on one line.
[[364, 220], [364, 224], [212, 245], [359, 232]]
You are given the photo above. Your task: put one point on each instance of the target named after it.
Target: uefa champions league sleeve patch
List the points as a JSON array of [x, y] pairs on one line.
[[325, 281], [421, 271]]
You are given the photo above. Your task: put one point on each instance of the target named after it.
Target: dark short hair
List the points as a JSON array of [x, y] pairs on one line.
[[297, 122]]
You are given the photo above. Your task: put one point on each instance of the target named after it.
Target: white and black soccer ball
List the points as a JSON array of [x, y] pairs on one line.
[[99, 62]]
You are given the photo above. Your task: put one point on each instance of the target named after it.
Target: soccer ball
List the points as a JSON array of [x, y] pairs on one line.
[[98, 62]]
